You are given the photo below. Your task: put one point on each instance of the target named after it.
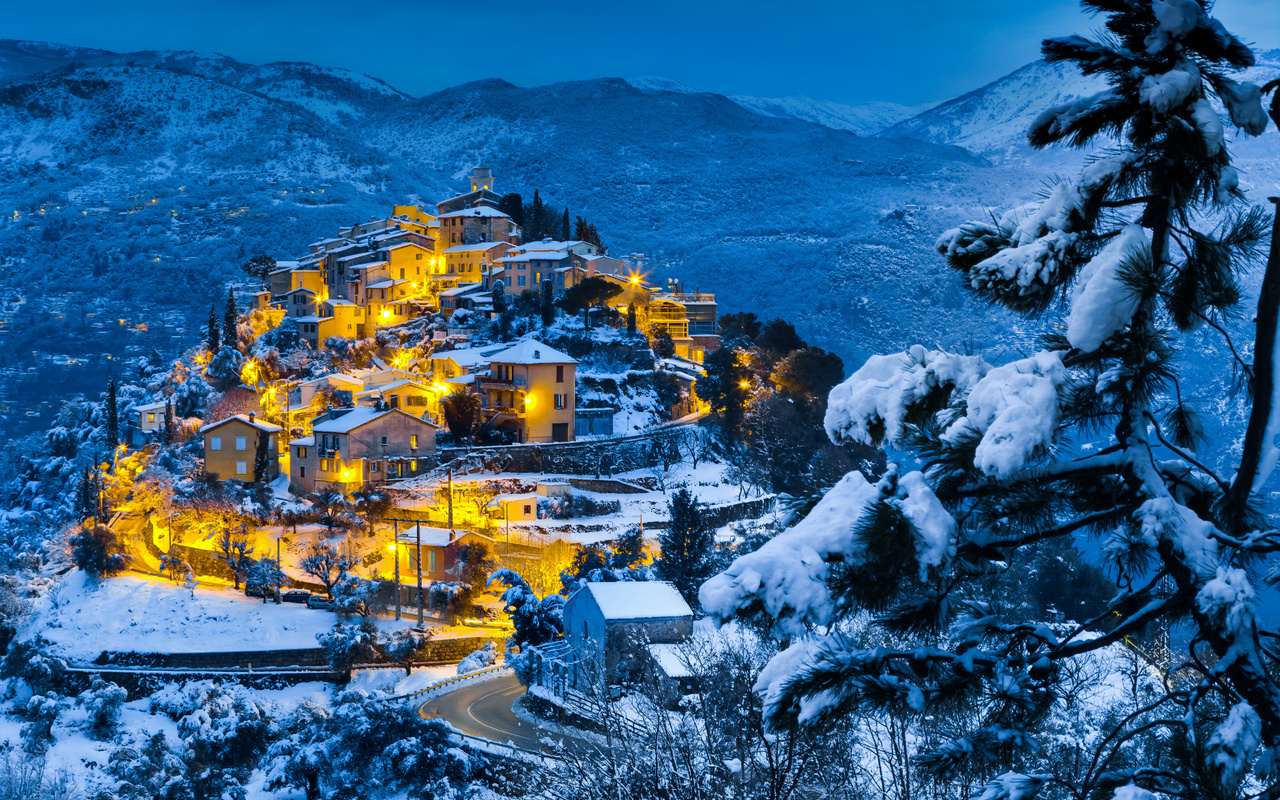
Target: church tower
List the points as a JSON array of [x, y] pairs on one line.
[[481, 180]]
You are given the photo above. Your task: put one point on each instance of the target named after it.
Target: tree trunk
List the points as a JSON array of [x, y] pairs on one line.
[[1263, 375]]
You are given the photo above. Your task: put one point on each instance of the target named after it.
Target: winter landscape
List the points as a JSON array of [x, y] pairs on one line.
[[619, 439]]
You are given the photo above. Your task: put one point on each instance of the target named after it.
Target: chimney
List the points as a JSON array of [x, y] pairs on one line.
[[251, 415], [451, 535]]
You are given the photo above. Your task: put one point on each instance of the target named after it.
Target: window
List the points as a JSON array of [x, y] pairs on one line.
[[413, 465], [402, 272], [215, 442], [413, 441], [384, 439], [325, 465], [520, 280], [241, 443], [242, 468], [374, 466], [560, 373], [431, 561], [418, 256], [560, 401], [151, 416], [526, 508], [302, 472], [302, 452]]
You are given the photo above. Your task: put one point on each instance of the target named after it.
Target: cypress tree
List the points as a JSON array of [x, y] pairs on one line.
[[211, 336], [686, 558], [112, 413], [564, 225], [580, 231], [536, 218], [631, 318], [229, 317], [262, 456], [548, 304], [166, 434]]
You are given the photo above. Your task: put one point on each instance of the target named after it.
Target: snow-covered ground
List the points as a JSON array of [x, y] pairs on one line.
[[82, 619]]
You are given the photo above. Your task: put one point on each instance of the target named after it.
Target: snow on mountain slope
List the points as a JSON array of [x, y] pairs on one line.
[[865, 119], [993, 120], [332, 94]]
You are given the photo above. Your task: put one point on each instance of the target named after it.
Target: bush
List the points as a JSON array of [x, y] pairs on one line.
[[576, 505], [103, 702], [486, 656], [97, 551], [345, 646]]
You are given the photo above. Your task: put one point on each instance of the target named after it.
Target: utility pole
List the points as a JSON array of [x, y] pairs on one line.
[[450, 484], [395, 545], [418, 529], [279, 571]]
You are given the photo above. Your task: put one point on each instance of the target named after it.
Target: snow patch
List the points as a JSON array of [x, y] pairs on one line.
[[1101, 305]]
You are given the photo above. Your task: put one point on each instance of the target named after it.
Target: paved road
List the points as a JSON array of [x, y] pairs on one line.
[[484, 709]]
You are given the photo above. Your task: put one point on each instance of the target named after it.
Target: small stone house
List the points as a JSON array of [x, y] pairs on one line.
[[610, 626], [439, 551]]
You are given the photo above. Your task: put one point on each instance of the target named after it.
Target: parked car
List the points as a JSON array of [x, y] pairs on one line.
[[258, 590], [296, 596], [319, 601]]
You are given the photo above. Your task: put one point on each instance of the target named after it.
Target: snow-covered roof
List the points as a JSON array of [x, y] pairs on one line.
[[262, 426], [435, 537], [638, 600], [462, 379], [337, 376], [535, 255], [300, 289], [468, 356], [352, 420], [471, 248], [393, 385], [305, 441], [387, 283], [339, 302], [670, 660], [459, 289], [514, 498], [478, 211], [531, 351], [156, 406], [355, 256]]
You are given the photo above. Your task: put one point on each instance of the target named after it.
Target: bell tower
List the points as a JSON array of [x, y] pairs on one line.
[[481, 180]]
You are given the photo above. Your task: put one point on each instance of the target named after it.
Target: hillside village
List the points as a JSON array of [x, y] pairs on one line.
[[428, 441]]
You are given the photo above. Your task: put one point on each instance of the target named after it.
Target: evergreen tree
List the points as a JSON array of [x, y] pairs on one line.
[[548, 304], [580, 231], [499, 297], [1091, 433], [259, 267], [687, 546], [98, 551], [112, 413], [87, 496], [229, 318], [262, 457], [167, 432], [460, 413], [564, 226], [631, 318], [721, 387], [629, 549], [513, 206], [534, 216], [663, 345], [211, 333], [779, 337]]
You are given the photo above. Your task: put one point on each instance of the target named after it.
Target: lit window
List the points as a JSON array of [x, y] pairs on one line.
[[242, 467], [413, 441], [302, 452], [215, 442], [151, 416], [241, 443]]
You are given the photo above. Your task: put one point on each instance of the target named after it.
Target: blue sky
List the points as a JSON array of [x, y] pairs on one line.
[[909, 51]]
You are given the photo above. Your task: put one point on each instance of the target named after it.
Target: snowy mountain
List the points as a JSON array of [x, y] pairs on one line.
[[866, 119]]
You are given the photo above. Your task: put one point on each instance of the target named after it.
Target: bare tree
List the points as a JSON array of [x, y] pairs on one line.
[[326, 565], [234, 548]]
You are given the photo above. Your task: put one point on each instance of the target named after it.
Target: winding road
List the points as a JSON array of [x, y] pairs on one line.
[[484, 709]]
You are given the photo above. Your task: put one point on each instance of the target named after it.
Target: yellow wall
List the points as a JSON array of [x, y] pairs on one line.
[[222, 464]]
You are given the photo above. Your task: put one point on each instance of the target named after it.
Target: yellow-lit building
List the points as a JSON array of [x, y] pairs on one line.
[[231, 445], [349, 448], [530, 391]]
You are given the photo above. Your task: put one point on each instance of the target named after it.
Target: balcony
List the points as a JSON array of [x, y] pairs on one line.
[[686, 297], [504, 384]]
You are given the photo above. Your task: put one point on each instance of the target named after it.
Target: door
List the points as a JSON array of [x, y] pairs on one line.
[[559, 431]]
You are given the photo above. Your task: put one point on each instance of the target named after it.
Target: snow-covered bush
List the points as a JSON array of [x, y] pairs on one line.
[[369, 749], [345, 645], [102, 702], [479, 659], [30, 661], [41, 712]]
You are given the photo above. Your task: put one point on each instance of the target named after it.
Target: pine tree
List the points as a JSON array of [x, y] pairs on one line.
[[687, 544], [564, 226], [211, 334], [87, 497], [631, 318], [548, 304], [721, 387], [1091, 433], [580, 230], [499, 297], [513, 206], [112, 413], [229, 318]]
